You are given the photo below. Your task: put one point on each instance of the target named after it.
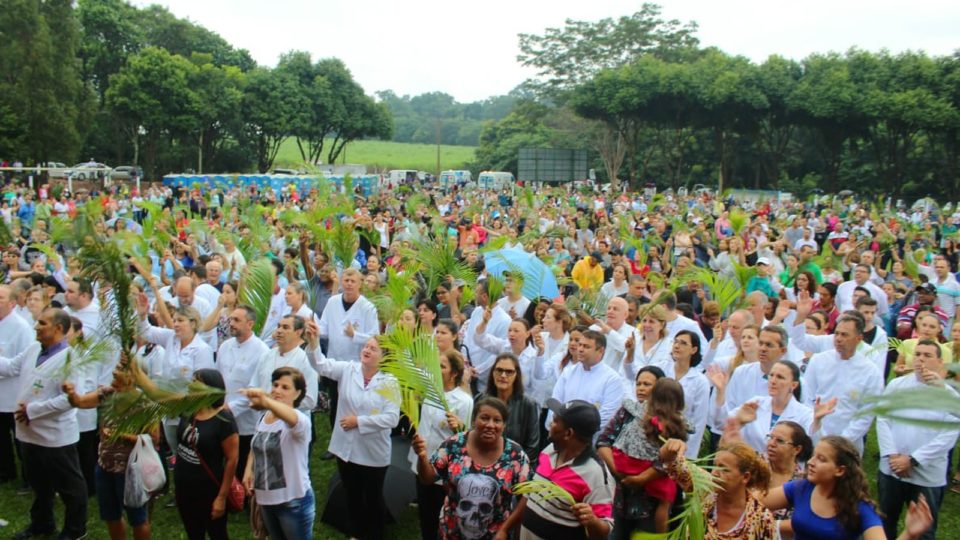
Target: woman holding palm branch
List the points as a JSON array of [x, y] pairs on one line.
[[361, 432]]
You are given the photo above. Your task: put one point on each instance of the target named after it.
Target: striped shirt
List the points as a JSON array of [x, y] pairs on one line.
[[586, 478]]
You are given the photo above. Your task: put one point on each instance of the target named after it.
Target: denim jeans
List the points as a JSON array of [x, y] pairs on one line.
[[292, 520]]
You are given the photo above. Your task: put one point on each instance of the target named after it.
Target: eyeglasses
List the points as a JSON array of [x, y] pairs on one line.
[[778, 441], [504, 372]]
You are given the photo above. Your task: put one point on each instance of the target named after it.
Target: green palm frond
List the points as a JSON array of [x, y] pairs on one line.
[[6, 237], [137, 410], [589, 301], [910, 265], [102, 261], [343, 241], [414, 361], [494, 244], [542, 491], [739, 220], [744, 274], [87, 353], [495, 288], [898, 405], [526, 197], [894, 344], [726, 292], [691, 522], [417, 201], [256, 290], [395, 295], [255, 244], [437, 256], [657, 202]]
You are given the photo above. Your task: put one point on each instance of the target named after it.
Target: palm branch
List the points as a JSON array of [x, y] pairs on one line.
[[691, 522], [910, 265], [138, 409], [726, 292], [739, 220], [438, 259], [252, 246], [415, 202], [342, 241], [589, 301], [103, 261], [543, 490], [256, 290], [6, 237], [744, 273], [395, 295], [86, 353], [898, 404], [495, 287], [414, 361]]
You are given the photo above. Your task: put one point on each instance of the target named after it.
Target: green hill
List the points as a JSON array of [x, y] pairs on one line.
[[386, 155]]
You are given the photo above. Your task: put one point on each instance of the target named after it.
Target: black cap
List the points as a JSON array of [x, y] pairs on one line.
[[596, 255], [927, 287], [580, 416]]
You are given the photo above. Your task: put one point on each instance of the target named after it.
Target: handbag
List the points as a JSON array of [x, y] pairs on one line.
[[257, 528], [236, 494]]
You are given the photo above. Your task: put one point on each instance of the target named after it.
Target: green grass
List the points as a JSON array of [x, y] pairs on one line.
[[166, 521], [386, 155]]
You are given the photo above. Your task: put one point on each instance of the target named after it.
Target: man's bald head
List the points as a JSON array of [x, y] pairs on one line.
[[184, 289]]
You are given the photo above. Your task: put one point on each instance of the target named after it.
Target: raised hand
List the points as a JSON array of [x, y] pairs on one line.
[[804, 305], [717, 376], [823, 408], [919, 518], [747, 412], [671, 449], [257, 397]]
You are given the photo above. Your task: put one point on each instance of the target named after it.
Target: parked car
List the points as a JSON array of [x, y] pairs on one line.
[[55, 169], [82, 171], [126, 172]]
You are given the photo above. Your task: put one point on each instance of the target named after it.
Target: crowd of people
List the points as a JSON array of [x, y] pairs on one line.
[[609, 399]]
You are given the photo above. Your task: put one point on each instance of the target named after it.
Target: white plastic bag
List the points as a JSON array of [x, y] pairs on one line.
[[151, 466], [134, 494]]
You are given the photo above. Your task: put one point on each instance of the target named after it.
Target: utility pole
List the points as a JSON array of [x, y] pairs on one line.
[[438, 148]]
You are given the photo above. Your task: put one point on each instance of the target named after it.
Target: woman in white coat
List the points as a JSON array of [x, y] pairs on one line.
[[756, 418], [184, 351], [361, 432]]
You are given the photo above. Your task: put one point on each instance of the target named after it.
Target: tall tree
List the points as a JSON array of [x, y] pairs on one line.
[[152, 96], [271, 103], [566, 57]]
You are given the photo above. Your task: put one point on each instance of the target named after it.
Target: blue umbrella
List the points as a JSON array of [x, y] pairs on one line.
[[538, 279]]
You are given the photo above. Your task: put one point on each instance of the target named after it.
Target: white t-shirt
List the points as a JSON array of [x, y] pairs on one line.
[[281, 472]]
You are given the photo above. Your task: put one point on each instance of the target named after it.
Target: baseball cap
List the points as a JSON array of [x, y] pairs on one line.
[[580, 416], [927, 287], [763, 260], [596, 255]]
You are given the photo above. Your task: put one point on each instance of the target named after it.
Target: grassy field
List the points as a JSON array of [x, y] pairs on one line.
[[386, 155], [166, 521]]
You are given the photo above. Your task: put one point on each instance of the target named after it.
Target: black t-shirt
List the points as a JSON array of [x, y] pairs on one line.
[[205, 437], [870, 335]]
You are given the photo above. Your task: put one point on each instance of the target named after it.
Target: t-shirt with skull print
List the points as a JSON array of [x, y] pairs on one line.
[[478, 498]]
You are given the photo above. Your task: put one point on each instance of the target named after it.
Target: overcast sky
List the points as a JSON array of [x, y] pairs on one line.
[[469, 49]]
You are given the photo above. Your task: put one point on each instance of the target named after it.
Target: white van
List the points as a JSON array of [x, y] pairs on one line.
[[449, 179], [495, 180], [399, 177]]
